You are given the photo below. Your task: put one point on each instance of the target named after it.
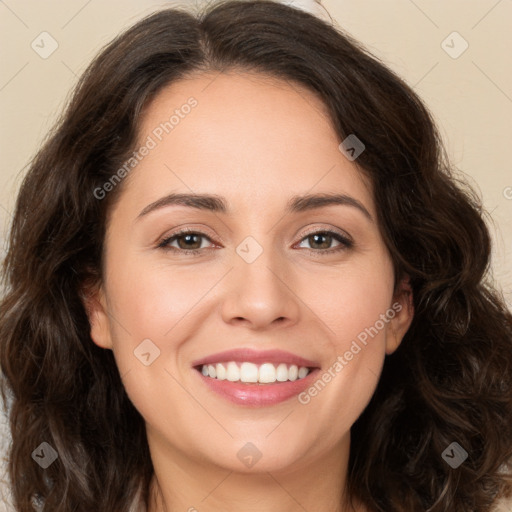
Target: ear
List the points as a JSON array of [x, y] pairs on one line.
[[93, 298], [404, 312]]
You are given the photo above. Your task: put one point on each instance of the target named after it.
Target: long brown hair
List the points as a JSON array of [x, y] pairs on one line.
[[450, 380]]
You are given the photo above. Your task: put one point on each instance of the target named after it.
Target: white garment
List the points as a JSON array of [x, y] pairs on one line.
[[5, 443]]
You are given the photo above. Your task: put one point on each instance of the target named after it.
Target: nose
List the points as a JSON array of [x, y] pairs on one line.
[[260, 294]]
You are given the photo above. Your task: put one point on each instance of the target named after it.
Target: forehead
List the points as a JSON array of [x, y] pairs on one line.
[[258, 136]]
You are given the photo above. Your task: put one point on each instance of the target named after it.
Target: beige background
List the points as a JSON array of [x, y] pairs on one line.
[[470, 96]]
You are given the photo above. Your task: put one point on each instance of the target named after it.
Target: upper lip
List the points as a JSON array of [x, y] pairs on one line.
[[241, 355]]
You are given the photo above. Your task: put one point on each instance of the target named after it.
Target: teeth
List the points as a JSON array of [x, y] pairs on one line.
[[221, 372], [249, 372], [267, 373], [282, 373], [232, 373], [303, 372]]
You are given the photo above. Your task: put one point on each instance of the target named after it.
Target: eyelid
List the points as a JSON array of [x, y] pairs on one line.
[[203, 231], [345, 241], [327, 229]]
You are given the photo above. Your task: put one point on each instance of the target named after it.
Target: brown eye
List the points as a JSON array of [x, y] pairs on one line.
[[187, 241], [321, 241]]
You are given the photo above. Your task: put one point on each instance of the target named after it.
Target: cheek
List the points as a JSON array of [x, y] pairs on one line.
[[351, 307], [160, 303], [152, 313], [151, 300], [352, 298]]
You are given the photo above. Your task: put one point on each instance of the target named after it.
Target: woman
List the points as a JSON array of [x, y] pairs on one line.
[[242, 276]]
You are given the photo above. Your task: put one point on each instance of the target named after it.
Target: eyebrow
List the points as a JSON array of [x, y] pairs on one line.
[[215, 203]]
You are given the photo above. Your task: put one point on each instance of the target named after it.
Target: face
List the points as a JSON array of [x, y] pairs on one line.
[[265, 270]]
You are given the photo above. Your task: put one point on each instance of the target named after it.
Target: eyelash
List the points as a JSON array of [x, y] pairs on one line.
[[345, 243]]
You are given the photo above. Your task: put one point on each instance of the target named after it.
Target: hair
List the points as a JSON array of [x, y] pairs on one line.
[[450, 379]]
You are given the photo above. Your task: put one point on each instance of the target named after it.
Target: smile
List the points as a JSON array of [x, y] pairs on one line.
[[247, 372], [255, 378]]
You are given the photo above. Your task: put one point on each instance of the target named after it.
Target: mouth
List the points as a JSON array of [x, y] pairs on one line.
[[251, 373], [256, 378]]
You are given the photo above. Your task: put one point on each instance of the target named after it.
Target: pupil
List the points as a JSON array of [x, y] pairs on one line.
[[315, 237], [189, 238]]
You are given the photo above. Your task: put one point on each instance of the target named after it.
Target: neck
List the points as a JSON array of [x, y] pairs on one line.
[[183, 484]]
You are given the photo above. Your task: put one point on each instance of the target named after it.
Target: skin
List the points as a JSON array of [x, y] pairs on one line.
[[256, 141]]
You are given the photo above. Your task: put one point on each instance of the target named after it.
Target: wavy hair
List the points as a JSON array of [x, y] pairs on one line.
[[449, 381]]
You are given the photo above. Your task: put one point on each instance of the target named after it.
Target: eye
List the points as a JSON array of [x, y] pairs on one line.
[[323, 240], [187, 240], [190, 242]]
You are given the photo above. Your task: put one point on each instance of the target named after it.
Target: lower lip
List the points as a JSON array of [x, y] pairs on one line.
[[258, 395]]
